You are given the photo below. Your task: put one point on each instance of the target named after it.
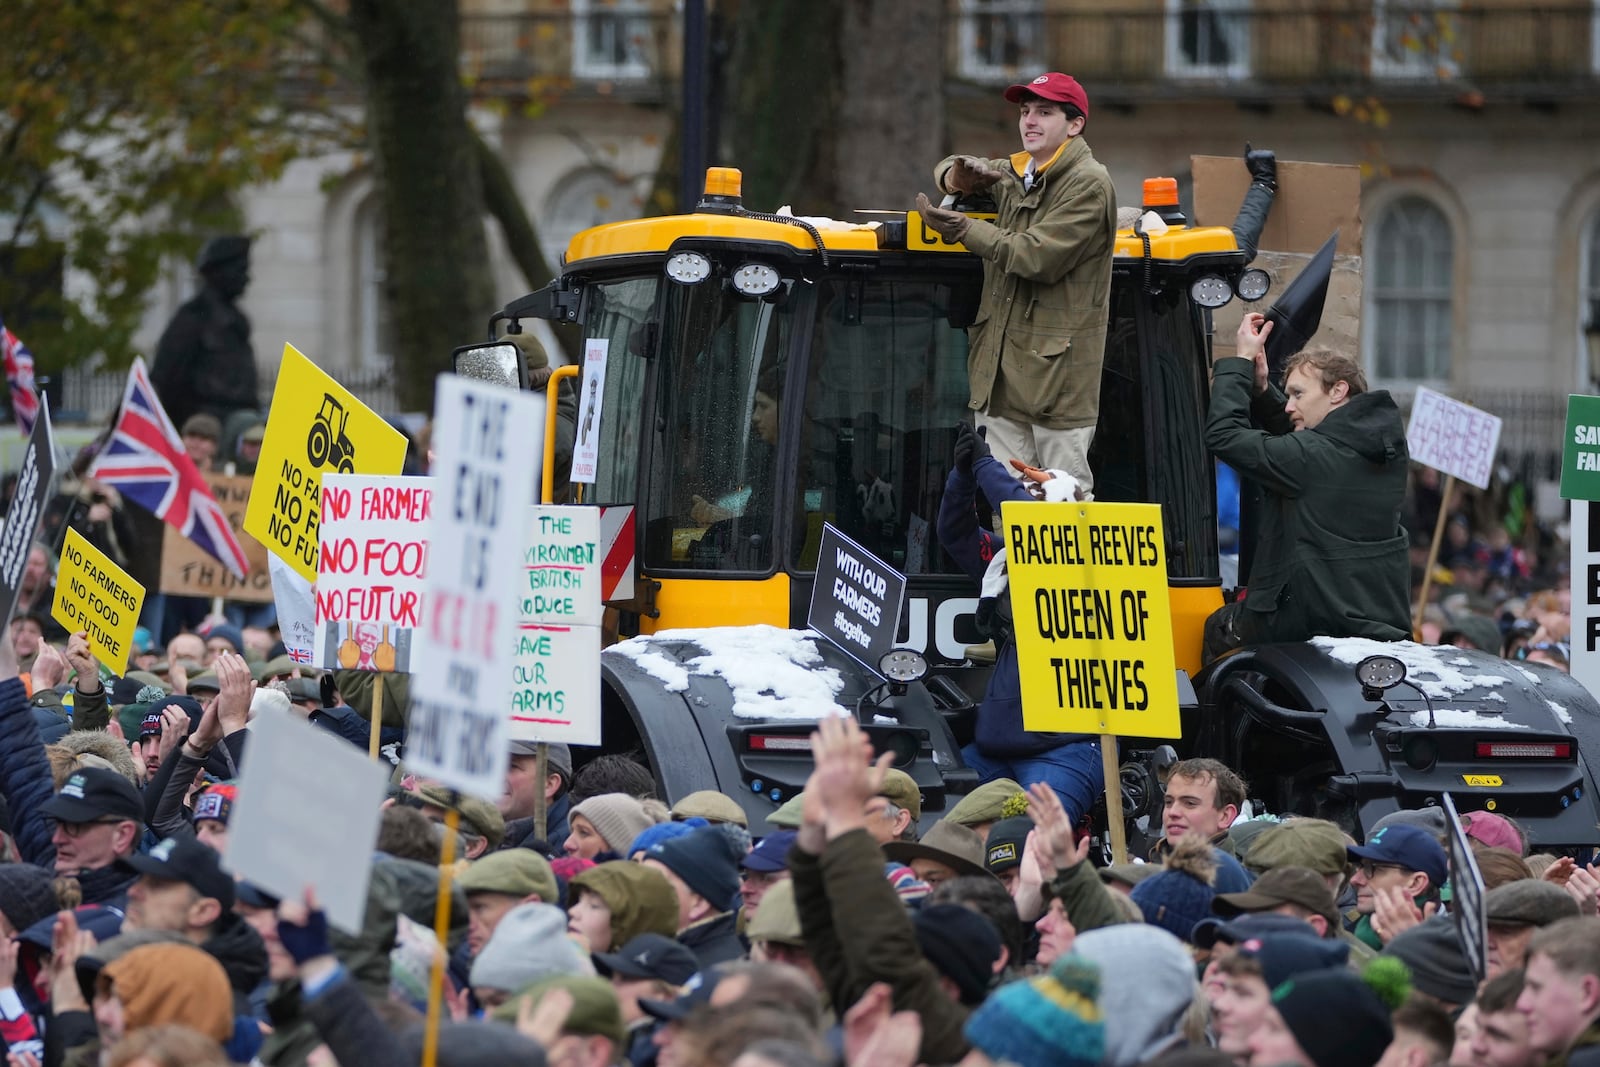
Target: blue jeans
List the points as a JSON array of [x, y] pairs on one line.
[[1074, 771]]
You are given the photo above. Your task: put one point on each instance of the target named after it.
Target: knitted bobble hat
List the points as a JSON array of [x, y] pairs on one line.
[[1050, 1021]]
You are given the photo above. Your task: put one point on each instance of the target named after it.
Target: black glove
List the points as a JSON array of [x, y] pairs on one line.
[[966, 444], [1263, 166]]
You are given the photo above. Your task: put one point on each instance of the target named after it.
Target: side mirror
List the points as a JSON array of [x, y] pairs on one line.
[[497, 362]]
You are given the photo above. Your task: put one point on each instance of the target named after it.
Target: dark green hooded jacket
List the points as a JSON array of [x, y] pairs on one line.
[[1332, 559]]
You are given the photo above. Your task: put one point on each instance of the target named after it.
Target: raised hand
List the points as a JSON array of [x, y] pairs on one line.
[[81, 660]]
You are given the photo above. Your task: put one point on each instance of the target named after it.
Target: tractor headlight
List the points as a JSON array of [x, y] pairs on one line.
[[903, 665], [756, 279], [689, 268], [1253, 284], [1211, 291], [1380, 672]]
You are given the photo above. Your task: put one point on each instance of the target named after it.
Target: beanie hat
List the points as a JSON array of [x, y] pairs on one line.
[[962, 945], [664, 831], [706, 862], [1003, 849], [1432, 952], [529, 945], [907, 886], [216, 803], [173, 983], [1147, 983], [990, 802], [1177, 898], [228, 633], [641, 899], [27, 894], [1049, 1021], [92, 962], [616, 817], [1337, 1019]]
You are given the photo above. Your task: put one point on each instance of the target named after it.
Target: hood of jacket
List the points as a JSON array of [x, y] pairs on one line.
[[101, 744], [242, 953], [1369, 425]]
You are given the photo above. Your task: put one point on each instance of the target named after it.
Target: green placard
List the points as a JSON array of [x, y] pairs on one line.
[[1580, 452]]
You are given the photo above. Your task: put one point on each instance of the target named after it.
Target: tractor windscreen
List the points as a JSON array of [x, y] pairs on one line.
[[720, 392], [884, 389]]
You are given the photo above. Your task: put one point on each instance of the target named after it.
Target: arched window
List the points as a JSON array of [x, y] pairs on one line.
[[1413, 253], [581, 200]]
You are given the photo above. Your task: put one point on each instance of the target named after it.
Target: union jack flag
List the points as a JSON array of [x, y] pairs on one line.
[[19, 377], [300, 655], [145, 460]]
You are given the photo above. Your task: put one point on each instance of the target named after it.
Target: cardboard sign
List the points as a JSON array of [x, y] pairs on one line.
[[95, 595], [36, 484], [483, 436], [591, 403], [316, 425], [371, 567], [856, 599], [1314, 199], [1580, 454], [297, 611], [555, 685], [1466, 895], [1455, 438], [307, 815], [186, 570], [1090, 618]]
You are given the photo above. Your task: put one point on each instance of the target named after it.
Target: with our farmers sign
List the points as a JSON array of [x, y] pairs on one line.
[[856, 598], [372, 565], [1092, 624]]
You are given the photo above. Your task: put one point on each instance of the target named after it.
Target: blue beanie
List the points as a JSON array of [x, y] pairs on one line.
[[664, 831], [1177, 897], [704, 859], [228, 633], [1049, 1021]]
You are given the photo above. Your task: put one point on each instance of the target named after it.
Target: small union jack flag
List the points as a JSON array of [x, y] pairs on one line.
[[300, 655], [145, 460], [19, 378]]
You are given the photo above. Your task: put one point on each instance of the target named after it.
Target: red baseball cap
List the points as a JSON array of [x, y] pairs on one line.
[[1062, 88]]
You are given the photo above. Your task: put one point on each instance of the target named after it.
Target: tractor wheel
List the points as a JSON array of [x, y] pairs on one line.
[[318, 443]]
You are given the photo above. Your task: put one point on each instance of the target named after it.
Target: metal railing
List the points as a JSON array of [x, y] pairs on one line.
[[90, 397], [611, 51], [1380, 47]]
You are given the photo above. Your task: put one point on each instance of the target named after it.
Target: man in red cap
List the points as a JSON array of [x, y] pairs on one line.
[[1039, 337]]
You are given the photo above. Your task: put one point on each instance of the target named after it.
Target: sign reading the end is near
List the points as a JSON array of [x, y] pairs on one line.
[[1091, 618], [97, 596], [1580, 454]]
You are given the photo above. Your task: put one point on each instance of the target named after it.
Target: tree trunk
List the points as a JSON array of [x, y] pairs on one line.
[[783, 97], [892, 131], [438, 279], [521, 236]]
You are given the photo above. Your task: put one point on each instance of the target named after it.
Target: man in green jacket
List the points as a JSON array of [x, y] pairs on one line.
[[1331, 556], [1039, 337]]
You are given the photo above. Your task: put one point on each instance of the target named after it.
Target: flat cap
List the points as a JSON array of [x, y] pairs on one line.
[[1528, 902]]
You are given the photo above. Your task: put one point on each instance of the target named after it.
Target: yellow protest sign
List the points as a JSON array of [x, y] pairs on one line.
[[1090, 618], [315, 425], [97, 596]]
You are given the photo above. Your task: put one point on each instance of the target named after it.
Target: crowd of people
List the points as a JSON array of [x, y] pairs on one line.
[[854, 928]]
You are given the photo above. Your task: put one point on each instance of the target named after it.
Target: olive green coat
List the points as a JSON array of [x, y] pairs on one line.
[[1040, 335]]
